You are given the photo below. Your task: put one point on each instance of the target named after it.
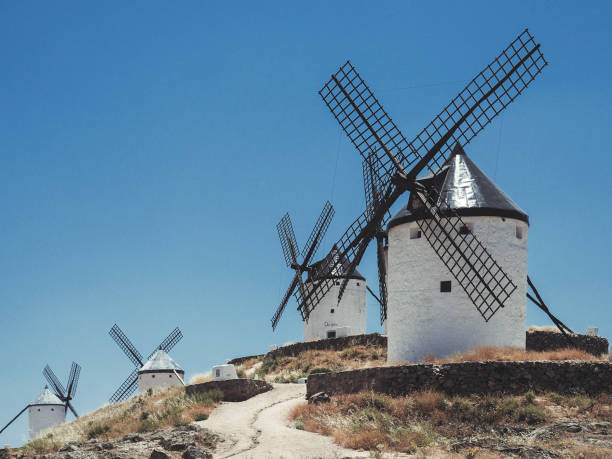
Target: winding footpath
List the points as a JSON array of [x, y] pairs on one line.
[[260, 428]]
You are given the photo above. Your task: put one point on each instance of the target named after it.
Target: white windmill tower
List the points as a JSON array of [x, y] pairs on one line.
[[429, 312], [50, 407], [331, 318], [396, 163], [158, 371]]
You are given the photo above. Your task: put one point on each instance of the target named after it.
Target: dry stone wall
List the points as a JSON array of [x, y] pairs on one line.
[[234, 390], [468, 378], [535, 340], [549, 341]]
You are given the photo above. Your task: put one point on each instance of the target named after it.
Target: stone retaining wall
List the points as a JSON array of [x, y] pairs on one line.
[[470, 378], [535, 341], [335, 344], [549, 341], [234, 390]]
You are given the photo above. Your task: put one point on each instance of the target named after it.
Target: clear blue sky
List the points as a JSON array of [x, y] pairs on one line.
[[148, 150]]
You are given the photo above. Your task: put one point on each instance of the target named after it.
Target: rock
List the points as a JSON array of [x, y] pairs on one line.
[[107, 445], [158, 454], [573, 428], [69, 447], [133, 438], [319, 397], [193, 452]]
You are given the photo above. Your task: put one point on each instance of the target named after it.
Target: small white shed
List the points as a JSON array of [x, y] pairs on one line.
[[224, 372]]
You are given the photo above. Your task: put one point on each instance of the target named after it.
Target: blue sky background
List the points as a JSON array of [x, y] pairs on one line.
[[148, 150]]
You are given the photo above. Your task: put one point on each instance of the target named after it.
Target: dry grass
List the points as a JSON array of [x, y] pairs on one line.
[[144, 413], [545, 328], [508, 354], [429, 419], [290, 369], [201, 378]]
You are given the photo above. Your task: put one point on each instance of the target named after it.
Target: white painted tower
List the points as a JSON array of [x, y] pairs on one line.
[[46, 411], [331, 319], [428, 311], [159, 372]]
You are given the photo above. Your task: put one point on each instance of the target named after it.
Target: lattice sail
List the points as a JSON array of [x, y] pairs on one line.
[[126, 346], [166, 345], [287, 239], [54, 382], [318, 232], [127, 388], [370, 128], [470, 263]]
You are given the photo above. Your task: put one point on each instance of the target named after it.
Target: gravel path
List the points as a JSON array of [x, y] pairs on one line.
[[259, 428]]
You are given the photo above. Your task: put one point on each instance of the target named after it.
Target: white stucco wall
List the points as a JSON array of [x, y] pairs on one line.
[[224, 372], [158, 380], [43, 417], [351, 312], [422, 320]]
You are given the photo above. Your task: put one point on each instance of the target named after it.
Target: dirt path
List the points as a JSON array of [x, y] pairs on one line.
[[259, 428]]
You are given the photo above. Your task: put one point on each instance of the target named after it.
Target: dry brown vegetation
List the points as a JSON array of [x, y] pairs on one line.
[[428, 419], [508, 354], [545, 328], [290, 369], [145, 413]]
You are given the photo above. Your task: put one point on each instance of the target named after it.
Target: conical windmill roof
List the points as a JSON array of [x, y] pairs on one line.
[[467, 190], [47, 397], [324, 270], [161, 361]]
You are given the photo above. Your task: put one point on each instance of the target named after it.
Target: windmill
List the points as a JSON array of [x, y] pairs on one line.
[[396, 163], [157, 364], [335, 321], [49, 409], [64, 394]]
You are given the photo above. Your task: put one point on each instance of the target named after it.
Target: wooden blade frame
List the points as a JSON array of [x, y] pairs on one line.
[[372, 131], [290, 252]]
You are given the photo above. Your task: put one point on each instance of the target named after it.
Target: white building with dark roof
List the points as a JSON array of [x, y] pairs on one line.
[[45, 411], [159, 372], [428, 311], [331, 319]]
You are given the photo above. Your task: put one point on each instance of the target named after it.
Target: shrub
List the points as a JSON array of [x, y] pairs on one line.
[[531, 414], [462, 408], [507, 407], [582, 402], [268, 365], [208, 398], [530, 397], [201, 417], [299, 425], [97, 429]]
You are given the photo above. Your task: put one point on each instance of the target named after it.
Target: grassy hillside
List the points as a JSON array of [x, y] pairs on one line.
[[145, 413], [478, 426]]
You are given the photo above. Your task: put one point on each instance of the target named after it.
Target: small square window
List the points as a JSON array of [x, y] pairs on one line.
[[38, 409], [337, 282], [466, 229], [445, 286], [357, 284], [415, 233], [52, 409], [331, 334], [217, 373], [332, 311], [169, 376], [153, 376], [519, 232]]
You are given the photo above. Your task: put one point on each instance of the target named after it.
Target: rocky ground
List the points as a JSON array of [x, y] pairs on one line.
[[188, 442], [562, 439]]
